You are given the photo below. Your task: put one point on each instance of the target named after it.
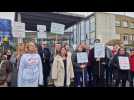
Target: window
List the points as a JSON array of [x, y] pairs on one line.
[[92, 24], [117, 23], [82, 30], [125, 38], [87, 26], [125, 24], [131, 25]]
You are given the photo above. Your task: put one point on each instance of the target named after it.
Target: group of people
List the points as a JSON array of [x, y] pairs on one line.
[[37, 66]]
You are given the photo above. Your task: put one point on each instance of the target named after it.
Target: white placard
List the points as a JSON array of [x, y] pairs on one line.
[[99, 50], [124, 63], [57, 28], [82, 57], [42, 34], [19, 30], [41, 27]]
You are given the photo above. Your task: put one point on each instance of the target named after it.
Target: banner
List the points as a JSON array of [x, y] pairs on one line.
[[57, 28], [99, 50], [124, 63], [82, 57]]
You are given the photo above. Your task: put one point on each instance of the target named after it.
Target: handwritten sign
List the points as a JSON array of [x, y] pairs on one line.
[[41, 31], [19, 30], [124, 63], [99, 50], [82, 57], [57, 28]]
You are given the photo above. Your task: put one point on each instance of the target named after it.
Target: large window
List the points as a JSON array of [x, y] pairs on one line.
[[131, 25], [87, 26], [125, 24], [82, 31], [118, 23], [125, 38], [92, 24], [131, 37]]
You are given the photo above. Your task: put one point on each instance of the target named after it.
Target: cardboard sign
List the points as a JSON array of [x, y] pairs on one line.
[[19, 30], [124, 63], [99, 50], [42, 34], [57, 28], [82, 57]]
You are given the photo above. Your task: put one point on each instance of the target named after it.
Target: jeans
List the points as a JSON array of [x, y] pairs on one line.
[[79, 77]]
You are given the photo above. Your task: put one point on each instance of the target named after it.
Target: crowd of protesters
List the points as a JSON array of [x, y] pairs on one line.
[[36, 66]]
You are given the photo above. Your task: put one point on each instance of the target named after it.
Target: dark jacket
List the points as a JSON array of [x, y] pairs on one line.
[[117, 72], [104, 62], [45, 55]]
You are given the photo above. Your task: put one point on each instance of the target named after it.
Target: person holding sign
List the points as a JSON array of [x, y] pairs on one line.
[[121, 67], [81, 74], [131, 59], [62, 69], [98, 64]]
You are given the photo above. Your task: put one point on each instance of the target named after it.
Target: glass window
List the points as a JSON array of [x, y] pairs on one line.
[[92, 24], [118, 23], [87, 26], [131, 25], [125, 24], [82, 30]]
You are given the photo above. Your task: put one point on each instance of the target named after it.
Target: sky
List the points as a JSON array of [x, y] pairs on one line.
[[131, 14], [10, 15]]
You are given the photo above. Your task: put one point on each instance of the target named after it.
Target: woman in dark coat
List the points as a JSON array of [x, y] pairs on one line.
[[118, 73]]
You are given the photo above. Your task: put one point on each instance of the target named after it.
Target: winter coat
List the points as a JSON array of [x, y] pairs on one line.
[[5, 71], [104, 62], [117, 72], [30, 72], [131, 59], [58, 71]]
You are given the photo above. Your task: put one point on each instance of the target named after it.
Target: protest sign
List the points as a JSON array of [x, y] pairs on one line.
[[124, 63], [99, 50], [82, 57]]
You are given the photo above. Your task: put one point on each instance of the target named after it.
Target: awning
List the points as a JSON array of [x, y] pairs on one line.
[[32, 19]]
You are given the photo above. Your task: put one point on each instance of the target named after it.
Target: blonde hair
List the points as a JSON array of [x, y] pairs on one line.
[[34, 50]]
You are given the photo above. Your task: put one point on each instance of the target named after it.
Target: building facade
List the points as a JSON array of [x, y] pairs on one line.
[[103, 26]]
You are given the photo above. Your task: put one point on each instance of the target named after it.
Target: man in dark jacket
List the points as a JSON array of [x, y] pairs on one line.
[[98, 67], [45, 57]]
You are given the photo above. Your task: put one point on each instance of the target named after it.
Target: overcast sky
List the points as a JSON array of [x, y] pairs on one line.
[[10, 15], [122, 13]]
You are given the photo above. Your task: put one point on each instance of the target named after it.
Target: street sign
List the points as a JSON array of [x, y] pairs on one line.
[[57, 28], [41, 34], [99, 50], [19, 30]]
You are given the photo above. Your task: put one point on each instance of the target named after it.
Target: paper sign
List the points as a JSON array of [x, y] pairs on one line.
[[82, 57], [57, 28], [41, 27], [124, 63], [41, 34], [99, 50], [19, 30]]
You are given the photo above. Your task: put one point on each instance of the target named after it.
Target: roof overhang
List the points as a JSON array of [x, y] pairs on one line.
[[32, 19]]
